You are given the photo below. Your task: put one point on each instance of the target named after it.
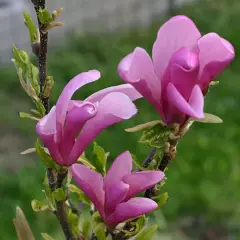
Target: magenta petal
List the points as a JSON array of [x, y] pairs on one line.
[[178, 32], [182, 71], [77, 116], [121, 166], [67, 93], [113, 108], [141, 181], [114, 194], [215, 53], [193, 108], [46, 129], [133, 208], [91, 183], [137, 69], [127, 89]]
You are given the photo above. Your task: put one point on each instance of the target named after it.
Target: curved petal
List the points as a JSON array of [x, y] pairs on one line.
[[113, 108], [133, 208], [67, 93], [121, 166], [137, 69], [141, 181], [182, 71], [76, 118], [91, 183], [46, 129], [192, 108], [215, 53], [127, 89], [178, 32], [115, 194]]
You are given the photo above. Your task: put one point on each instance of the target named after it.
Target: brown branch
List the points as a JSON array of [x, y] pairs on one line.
[[55, 178]]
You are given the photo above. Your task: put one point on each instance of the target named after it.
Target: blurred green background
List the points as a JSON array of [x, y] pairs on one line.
[[203, 182]]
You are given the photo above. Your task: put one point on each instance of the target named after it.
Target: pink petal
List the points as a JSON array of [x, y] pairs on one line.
[[178, 32], [121, 166], [133, 208], [76, 118], [115, 194], [113, 108], [182, 71], [127, 89], [141, 181], [91, 183], [193, 108], [215, 54], [46, 129], [67, 93], [137, 69]]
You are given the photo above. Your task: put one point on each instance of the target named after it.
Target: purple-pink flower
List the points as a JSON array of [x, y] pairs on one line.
[[112, 195], [182, 66], [72, 125]]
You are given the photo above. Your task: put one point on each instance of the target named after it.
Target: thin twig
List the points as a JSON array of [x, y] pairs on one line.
[[149, 158], [55, 179]]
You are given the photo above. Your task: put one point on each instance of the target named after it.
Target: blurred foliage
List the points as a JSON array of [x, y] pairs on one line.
[[203, 182]]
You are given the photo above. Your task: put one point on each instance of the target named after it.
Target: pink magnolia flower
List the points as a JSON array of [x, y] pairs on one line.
[[112, 195], [182, 66], [71, 125]]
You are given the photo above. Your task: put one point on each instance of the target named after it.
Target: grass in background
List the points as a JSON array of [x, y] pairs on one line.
[[203, 182]]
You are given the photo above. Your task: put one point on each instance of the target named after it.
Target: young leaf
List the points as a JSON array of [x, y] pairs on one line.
[[99, 159], [161, 199], [45, 236], [48, 194], [31, 27], [209, 118], [44, 157], [144, 126], [146, 233], [44, 16], [81, 196], [22, 226], [38, 206], [27, 151], [155, 136], [73, 220], [82, 159], [28, 115], [59, 194]]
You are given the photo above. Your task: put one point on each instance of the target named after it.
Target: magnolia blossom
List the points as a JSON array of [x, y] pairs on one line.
[[112, 195], [182, 66], [71, 125]]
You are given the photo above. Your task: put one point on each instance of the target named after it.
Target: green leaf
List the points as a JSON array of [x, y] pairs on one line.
[[146, 233], [86, 222], [137, 164], [45, 236], [31, 27], [109, 237], [99, 226], [82, 159], [59, 194], [27, 151], [44, 16], [27, 73], [209, 118], [22, 226], [155, 136], [144, 126], [28, 115], [81, 195], [161, 199], [73, 220], [44, 157], [99, 159], [38, 206], [100, 234]]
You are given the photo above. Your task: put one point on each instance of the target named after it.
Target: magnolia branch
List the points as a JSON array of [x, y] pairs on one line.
[[55, 179]]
